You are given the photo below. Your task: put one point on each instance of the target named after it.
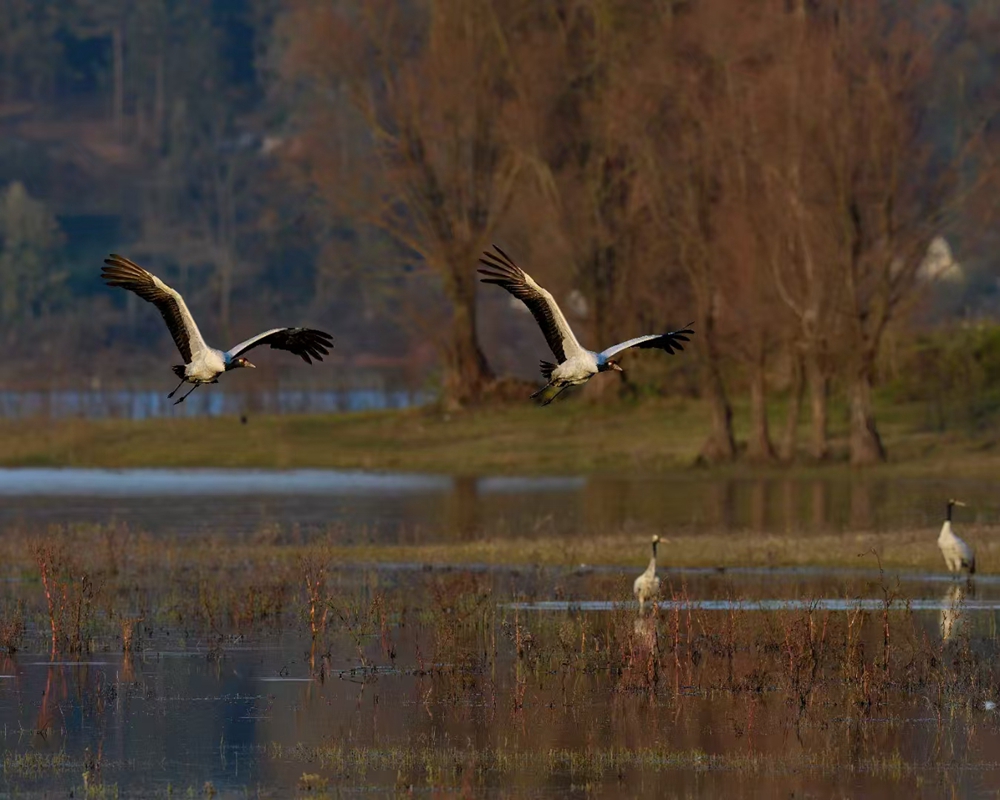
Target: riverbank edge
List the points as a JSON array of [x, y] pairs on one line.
[[661, 436]]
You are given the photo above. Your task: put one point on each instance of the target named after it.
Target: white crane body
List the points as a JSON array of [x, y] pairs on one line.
[[958, 555], [204, 364], [647, 586], [575, 364]]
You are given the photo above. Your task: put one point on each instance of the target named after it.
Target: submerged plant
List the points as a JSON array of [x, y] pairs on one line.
[[313, 569], [12, 627], [70, 595]]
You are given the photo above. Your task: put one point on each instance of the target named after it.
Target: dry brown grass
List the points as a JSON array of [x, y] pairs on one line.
[[272, 562]]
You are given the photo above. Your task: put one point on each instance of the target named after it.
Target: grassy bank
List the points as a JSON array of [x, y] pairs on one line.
[[572, 437], [523, 439], [910, 550]]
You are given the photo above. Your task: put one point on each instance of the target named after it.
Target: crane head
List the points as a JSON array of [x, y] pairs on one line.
[[242, 362], [615, 366]]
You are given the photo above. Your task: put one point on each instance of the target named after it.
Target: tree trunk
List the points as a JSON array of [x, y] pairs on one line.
[[467, 371], [720, 445], [790, 436], [866, 446], [819, 447], [759, 447]]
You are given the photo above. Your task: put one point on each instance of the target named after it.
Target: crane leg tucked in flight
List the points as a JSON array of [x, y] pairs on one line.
[[185, 397], [549, 385], [548, 398]]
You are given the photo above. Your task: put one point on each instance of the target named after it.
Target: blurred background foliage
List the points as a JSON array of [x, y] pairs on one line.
[[810, 181]]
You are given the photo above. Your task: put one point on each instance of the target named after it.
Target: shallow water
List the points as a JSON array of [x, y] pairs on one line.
[[774, 604], [495, 681], [218, 401], [424, 707], [413, 508]]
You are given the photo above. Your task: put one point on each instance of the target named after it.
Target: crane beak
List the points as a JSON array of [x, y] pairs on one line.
[[615, 366], [248, 364]]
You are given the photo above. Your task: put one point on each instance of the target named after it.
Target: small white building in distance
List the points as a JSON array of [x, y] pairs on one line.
[[939, 264]]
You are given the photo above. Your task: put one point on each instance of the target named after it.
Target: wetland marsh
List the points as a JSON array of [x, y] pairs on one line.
[[332, 634]]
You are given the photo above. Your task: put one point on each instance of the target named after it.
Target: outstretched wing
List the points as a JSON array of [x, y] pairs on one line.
[[306, 343], [671, 342], [120, 271], [499, 269]]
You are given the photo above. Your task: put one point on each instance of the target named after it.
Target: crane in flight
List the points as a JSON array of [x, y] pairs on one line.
[[204, 364], [575, 364]]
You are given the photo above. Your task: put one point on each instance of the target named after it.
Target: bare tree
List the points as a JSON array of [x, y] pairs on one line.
[[574, 70], [882, 189], [431, 85], [680, 141], [683, 186], [790, 231]]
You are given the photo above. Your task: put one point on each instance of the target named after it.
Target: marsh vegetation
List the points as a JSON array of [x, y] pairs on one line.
[[292, 662]]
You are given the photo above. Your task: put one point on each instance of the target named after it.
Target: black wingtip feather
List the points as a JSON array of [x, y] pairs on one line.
[[309, 344], [501, 274], [502, 263], [506, 257]]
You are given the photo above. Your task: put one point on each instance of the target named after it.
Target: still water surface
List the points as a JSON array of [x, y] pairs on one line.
[[391, 507], [257, 714], [219, 401], [450, 695]]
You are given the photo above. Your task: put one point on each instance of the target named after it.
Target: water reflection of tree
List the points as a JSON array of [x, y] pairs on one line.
[[758, 505], [606, 501], [861, 518], [820, 504], [790, 490], [721, 507], [463, 508], [55, 691]]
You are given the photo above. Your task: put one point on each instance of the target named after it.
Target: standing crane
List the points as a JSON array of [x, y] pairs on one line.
[[957, 554], [647, 585]]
